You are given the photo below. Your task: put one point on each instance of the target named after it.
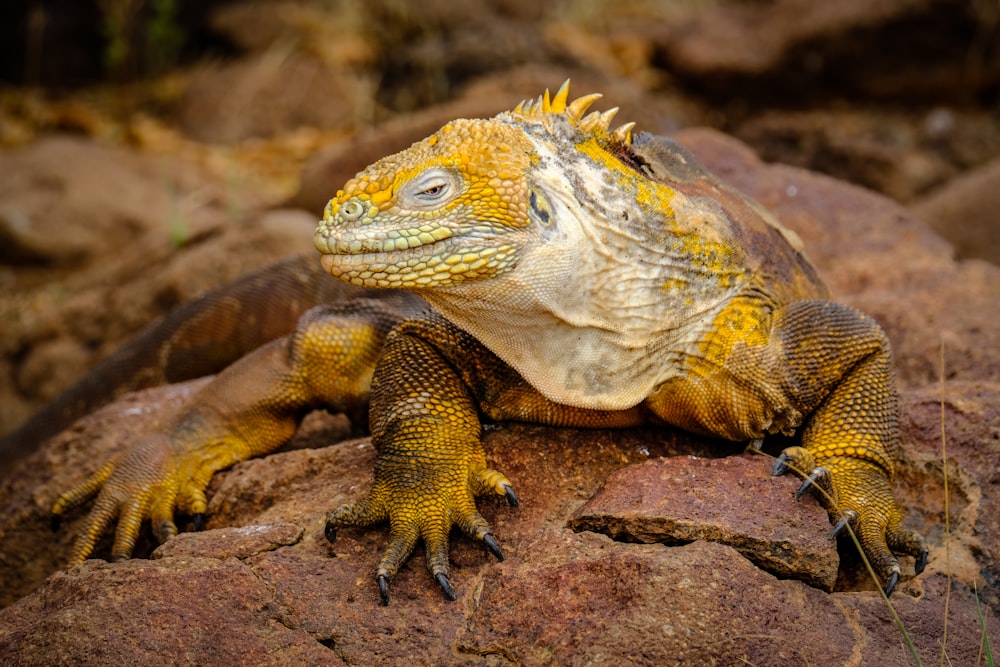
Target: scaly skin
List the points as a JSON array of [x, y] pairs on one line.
[[581, 277]]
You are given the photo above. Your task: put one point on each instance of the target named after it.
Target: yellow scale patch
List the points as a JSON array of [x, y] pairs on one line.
[[741, 321]]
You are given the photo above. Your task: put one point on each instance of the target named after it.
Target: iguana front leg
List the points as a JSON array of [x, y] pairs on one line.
[[430, 465], [839, 361], [430, 390], [250, 409], [813, 368]]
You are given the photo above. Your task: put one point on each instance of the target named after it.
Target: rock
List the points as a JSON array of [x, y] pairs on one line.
[[265, 95], [228, 609], [235, 542], [96, 241], [560, 596], [964, 211], [792, 49], [275, 26], [677, 501], [426, 49], [51, 365], [597, 602], [901, 154], [57, 208], [967, 416]]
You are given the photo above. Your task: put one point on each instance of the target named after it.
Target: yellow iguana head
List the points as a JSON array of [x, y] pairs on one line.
[[457, 206]]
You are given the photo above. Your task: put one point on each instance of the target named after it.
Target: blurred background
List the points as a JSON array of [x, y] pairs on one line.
[[153, 149]]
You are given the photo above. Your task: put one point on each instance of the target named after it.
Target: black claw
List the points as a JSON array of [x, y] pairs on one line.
[[845, 518], [383, 589], [890, 585], [921, 562], [814, 476], [492, 545], [508, 492], [449, 592], [330, 532], [780, 467], [199, 521]]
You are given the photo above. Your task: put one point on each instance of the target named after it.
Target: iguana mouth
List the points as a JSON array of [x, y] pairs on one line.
[[413, 257], [330, 240]]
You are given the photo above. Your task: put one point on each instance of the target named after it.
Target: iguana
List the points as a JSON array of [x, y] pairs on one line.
[[577, 275]]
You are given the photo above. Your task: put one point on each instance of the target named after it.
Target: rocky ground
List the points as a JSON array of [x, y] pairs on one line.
[[118, 203]]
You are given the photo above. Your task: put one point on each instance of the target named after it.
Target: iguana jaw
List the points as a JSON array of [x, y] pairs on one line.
[[429, 255]]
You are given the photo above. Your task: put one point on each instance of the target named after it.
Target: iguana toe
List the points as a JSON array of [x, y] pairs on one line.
[[796, 459], [449, 592], [492, 546], [818, 477], [151, 482], [890, 584], [910, 543], [383, 588], [847, 517], [511, 497]]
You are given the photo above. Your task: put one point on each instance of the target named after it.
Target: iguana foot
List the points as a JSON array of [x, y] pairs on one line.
[[422, 500], [150, 482], [857, 492]]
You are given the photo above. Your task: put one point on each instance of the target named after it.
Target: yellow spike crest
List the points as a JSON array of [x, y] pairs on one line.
[[596, 123]]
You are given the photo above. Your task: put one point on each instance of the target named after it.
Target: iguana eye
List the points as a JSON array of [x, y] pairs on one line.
[[351, 210], [429, 190]]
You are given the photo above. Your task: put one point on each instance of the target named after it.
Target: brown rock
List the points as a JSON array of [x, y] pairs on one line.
[[29, 549], [700, 603], [964, 211], [97, 241], [967, 416], [426, 49], [901, 154], [677, 501], [227, 611], [795, 48], [593, 601], [236, 542], [261, 96], [51, 365], [88, 216]]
